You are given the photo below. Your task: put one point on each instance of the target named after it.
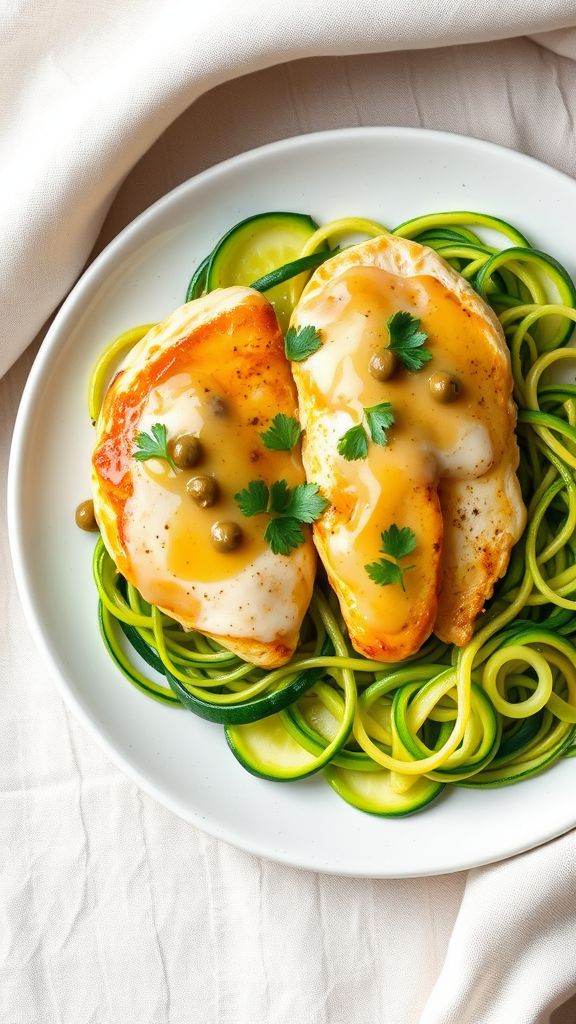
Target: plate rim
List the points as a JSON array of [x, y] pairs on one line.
[[55, 337]]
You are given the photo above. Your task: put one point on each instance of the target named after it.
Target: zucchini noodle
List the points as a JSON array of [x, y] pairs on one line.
[[491, 713]]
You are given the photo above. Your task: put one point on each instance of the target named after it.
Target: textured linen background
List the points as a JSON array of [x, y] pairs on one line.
[[113, 911]]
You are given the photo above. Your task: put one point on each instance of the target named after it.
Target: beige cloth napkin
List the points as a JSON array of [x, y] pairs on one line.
[[111, 910], [87, 88]]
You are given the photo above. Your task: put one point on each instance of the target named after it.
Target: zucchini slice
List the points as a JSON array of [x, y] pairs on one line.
[[373, 792], [266, 749], [316, 728], [197, 284], [255, 247], [241, 712], [282, 748]]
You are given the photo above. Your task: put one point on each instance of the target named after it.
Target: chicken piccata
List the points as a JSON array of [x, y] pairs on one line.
[[204, 384], [432, 470]]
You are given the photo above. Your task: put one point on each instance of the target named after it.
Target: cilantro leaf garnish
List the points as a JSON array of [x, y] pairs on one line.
[[282, 434], [153, 445], [283, 534], [301, 343], [253, 500], [353, 445], [287, 508], [379, 418], [305, 503], [406, 340], [397, 542]]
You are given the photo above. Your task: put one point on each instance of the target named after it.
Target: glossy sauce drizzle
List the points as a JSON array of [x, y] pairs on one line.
[[232, 452], [427, 442]]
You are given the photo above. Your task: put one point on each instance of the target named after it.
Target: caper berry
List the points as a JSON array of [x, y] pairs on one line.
[[203, 489], [85, 517], [383, 364], [444, 387], [226, 536], [185, 450]]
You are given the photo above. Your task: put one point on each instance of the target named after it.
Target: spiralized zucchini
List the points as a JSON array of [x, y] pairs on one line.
[[391, 737]]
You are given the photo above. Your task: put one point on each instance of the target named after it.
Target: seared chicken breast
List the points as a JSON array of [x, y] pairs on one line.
[[214, 370], [446, 472]]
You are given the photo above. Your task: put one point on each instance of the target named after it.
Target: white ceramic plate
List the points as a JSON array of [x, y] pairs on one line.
[[385, 173]]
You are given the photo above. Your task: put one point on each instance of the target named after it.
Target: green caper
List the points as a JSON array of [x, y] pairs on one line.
[[203, 489], [186, 451], [444, 387], [383, 364], [226, 535], [85, 517]]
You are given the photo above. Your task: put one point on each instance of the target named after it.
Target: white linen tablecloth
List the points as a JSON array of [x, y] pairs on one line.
[[113, 911]]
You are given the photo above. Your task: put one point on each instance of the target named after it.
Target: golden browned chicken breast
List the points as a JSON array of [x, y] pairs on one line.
[[409, 420], [200, 388]]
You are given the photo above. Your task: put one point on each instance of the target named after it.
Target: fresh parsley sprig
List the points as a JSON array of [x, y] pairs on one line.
[[282, 434], [353, 445], [305, 503], [253, 499], [407, 340], [284, 534], [301, 342], [287, 508], [397, 543], [153, 445], [379, 419], [386, 573]]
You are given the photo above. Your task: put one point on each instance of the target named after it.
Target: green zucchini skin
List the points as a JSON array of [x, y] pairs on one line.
[[287, 760], [454, 220], [147, 653], [242, 713], [378, 797], [281, 220], [290, 270], [484, 755], [262, 252], [197, 285], [315, 743], [146, 686], [284, 748], [508, 775], [245, 712]]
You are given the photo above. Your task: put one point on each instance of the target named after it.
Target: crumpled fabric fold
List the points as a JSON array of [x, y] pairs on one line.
[[87, 89]]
